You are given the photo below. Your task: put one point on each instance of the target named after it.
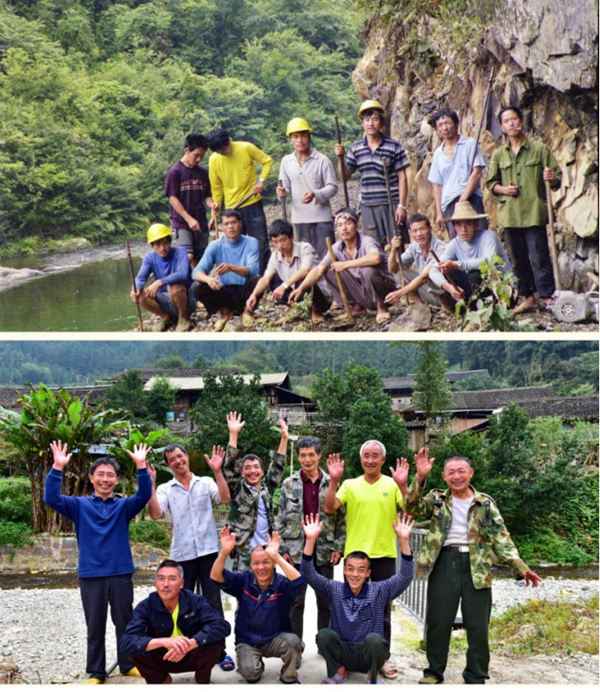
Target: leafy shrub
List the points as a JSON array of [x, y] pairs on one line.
[[17, 534], [15, 500], [150, 532]]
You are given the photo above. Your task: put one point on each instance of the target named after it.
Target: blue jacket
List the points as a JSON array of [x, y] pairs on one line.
[[261, 615], [151, 620], [102, 526]]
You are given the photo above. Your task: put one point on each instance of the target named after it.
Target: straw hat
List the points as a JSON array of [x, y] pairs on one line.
[[463, 211]]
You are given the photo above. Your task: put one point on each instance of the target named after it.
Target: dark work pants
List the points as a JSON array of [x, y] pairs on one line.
[[528, 250], [196, 577], [96, 594], [323, 607], [154, 668], [366, 656], [384, 568], [254, 224], [450, 582], [233, 297]]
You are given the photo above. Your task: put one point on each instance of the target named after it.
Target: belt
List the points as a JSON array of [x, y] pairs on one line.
[[457, 548]]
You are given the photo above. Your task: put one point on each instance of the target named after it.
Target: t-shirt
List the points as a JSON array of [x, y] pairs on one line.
[[191, 186], [452, 174], [244, 253], [458, 534], [371, 509], [172, 269]]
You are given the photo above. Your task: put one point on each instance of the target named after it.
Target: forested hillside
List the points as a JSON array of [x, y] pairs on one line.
[[572, 366], [97, 96]]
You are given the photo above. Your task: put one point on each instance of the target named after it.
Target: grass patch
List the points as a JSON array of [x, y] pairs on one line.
[[547, 627], [154, 533]]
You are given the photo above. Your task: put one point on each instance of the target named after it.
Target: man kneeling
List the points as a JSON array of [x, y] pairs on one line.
[[262, 621], [355, 641], [174, 630]]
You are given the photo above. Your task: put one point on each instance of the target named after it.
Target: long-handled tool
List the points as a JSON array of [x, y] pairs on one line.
[[551, 238], [483, 115], [392, 221], [340, 284], [283, 202], [137, 305], [341, 158]]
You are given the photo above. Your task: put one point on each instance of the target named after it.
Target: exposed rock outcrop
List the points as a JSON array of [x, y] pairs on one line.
[[544, 55]]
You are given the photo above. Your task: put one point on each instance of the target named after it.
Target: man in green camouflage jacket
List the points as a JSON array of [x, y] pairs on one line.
[[303, 493], [251, 508], [466, 536]]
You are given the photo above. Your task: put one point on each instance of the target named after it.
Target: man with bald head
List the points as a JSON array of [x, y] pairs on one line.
[[372, 502]]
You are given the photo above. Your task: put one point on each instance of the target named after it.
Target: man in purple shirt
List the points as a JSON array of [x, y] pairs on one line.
[[361, 264], [167, 296], [188, 190]]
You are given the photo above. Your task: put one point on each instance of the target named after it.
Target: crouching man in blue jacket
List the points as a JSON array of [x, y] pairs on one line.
[[174, 630]]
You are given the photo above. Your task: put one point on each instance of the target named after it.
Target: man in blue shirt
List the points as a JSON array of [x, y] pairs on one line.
[[105, 562], [167, 295], [450, 174], [368, 154], [355, 641], [174, 630], [262, 622], [235, 257]]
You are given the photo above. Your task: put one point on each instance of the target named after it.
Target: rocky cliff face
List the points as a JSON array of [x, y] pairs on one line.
[[544, 55]]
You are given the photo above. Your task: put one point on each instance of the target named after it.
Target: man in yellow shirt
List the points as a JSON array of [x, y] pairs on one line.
[[233, 180], [372, 502]]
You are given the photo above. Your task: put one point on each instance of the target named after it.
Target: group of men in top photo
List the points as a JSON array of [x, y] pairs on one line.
[[268, 552], [382, 253]]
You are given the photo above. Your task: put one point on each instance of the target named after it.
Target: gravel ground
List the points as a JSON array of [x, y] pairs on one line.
[[43, 632]]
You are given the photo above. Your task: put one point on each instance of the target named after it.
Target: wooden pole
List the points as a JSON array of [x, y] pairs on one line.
[[551, 238], [446, 276], [283, 202], [341, 158], [340, 283], [483, 114], [386, 174], [137, 305]]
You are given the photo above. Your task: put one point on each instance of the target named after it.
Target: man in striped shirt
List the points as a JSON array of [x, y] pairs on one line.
[[355, 640], [368, 155]]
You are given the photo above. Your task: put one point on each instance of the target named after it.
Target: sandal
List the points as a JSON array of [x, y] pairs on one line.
[[227, 663], [388, 671], [335, 679]]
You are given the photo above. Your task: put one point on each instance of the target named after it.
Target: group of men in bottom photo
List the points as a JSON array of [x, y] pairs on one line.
[[265, 560]]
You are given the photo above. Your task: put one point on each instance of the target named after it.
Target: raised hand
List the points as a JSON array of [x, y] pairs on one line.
[[274, 541], [139, 454], [335, 467], [312, 526], [152, 472], [403, 526], [234, 422], [227, 539], [59, 454], [400, 473], [423, 463], [215, 462], [285, 433]]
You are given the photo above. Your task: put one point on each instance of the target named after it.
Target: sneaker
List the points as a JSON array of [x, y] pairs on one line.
[[183, 325], [247, 320], [133, 673], [163, 324], [429, 679], [94, 681]]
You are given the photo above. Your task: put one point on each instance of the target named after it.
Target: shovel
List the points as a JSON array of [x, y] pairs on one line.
[[283, 202], [342, 290]]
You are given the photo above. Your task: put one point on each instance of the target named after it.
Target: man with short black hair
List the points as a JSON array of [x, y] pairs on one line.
[[262, 624], [466, 537], [289, 263], [188, 189], [174, 630], [231, 168], [356, 641], [105, 561], [235, 258], [450, 174], [303, 493]]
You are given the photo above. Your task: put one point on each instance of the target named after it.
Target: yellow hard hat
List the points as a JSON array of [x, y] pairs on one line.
[[370, 105], [297, 125], [158, 231]]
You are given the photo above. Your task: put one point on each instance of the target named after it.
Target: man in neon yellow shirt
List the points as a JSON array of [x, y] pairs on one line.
[[174, 630], [232, 174], [372, 502]]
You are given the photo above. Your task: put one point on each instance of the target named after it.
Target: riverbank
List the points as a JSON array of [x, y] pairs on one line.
[[43, 632]]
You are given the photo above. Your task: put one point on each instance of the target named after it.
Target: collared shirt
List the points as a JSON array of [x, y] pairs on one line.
[[172, 269], [365, 245], [244, 253], [414, 254], [354, 617], [524, 169], [261, 615], [310, 493], [452, 174], [316, 174], [303, 257], [194, 528], [469, 256], [369, 163]]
